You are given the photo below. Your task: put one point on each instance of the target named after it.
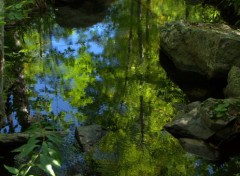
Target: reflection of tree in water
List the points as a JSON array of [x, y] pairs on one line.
[[133, 98], [15, 85], [19, 95], [131, 95], [2, 60]]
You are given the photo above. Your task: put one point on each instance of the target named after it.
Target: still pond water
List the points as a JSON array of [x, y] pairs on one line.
[[100, 65]]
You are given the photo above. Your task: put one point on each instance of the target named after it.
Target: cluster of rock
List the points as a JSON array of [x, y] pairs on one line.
[[211, 128]]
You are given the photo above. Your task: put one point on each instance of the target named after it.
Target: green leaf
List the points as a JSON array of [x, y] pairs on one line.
[[50, 170], [47, 168], [45, 148], [12, 170], [54, 153], [46, 164], [27, 150], [34, 128], [45, 160], [31, 143], [19, 149], [55, 139], [56, 163], [56, 157], [222, 107], [52, 146]]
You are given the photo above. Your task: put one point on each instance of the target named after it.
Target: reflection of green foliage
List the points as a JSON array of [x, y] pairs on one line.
[[133, 96], [78, 73], [169, 10], [134, 99], [75, 73], [159, 155]]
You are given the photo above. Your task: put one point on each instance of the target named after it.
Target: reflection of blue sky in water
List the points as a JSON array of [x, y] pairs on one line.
[[72, 41], [58, 104], [46, 91], [61, 45]]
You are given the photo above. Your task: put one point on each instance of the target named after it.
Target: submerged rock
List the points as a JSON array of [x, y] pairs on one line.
[[208, 49], [88, 136], [210, 129]]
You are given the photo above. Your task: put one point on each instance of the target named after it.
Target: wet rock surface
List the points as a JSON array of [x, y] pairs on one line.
[[210, 129]]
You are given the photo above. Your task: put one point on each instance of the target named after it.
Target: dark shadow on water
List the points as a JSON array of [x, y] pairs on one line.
[[197, 87], [80, 15]]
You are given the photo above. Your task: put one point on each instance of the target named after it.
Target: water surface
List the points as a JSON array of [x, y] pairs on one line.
[[106, 72]]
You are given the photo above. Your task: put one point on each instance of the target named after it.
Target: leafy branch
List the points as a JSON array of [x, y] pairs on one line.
[[41, 148]]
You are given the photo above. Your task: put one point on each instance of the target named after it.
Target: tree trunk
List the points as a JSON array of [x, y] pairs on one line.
[[130, 38], [148, 12], [141, 58], [147, 44], [2, 105], [20, 103], [140, 32], [141, 115]]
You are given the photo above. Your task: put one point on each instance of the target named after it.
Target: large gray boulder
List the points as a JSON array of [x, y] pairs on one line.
[[208, 49], [209, 129]]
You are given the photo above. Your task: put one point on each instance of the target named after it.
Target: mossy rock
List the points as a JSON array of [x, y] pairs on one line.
[[217, 113], [233, 87]]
